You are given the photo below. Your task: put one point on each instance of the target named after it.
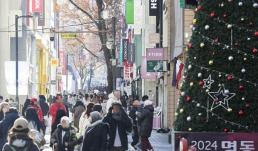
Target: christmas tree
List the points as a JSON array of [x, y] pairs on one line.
[[219, 92]]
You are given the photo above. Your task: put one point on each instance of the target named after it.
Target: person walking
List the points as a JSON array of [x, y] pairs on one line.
[[95, 138], [77, 112], [43, 105], [5, 125], [4, 107], [19, 139], [85, 119], [57, 107], [64, 137], [114, 97], [119, 125], [135, 136], [145, 124]]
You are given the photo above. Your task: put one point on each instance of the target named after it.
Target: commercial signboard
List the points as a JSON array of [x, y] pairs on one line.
[[205, 141], [125, 44], [68, 35], [144, 73], [154, 7], [155, 54], [129, 11], [37, 6]]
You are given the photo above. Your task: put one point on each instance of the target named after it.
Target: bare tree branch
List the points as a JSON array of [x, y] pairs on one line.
[[84, 46]]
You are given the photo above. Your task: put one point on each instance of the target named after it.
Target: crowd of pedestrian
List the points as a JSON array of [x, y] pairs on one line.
[[96, 123]]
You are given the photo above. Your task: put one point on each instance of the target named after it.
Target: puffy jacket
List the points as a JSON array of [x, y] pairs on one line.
[[95, 138], [54, 108], [6, 124], [20, 142], [111, 99], [145, 120]]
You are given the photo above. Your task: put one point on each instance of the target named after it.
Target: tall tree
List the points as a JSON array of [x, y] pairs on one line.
[[220, 86]]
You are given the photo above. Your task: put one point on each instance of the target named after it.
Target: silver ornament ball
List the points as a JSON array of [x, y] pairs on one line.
[[189, 118], [199, 75], [230, 58]]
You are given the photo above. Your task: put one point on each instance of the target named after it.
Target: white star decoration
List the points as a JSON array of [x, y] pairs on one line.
[[221, 98], [208, 82]]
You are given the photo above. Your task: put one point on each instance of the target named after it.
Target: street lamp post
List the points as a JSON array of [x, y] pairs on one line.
[[17, 56]]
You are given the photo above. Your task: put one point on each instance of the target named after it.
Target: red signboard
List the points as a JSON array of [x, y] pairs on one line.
[[216, 141], [37, 6]]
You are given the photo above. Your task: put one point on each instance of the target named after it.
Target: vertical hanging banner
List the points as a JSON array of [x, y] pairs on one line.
[[41, 18], [125, 43], [154, 7], [129, 11], [37, 6]]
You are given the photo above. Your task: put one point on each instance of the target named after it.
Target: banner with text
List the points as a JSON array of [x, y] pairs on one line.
[[216, 141]]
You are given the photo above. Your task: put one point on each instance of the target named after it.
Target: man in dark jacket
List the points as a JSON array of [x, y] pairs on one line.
[[6, 124], [119, 125], [135, 106], [145, 123], [64, 137], [95, 138]]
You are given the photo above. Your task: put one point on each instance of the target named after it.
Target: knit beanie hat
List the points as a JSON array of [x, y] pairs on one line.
[[95, 116]]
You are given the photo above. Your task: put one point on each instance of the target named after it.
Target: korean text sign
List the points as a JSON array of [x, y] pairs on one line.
[[218, 141]]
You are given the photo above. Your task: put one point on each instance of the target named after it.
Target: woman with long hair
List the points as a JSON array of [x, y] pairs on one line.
[[85, 119]]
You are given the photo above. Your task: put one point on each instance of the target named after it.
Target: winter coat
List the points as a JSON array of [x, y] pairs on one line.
[[54, 108], [20, 142], [132, 114], [43, 105], [123, 124], [6, 124], [83, 124], [25, 106], [95, 138], [145, 120], [78, 110], [1, 115], [69, 137]]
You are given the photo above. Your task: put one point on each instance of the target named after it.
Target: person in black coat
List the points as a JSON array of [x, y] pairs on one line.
[[6, 124], [26, 104], [95, 138], [119, 125], [145, 124], [43, 104], [64, 137], [135, 106]]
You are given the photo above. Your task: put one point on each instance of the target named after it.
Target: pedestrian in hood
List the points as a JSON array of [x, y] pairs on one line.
[[145, 124], [4, 107], [35, 105], [64, 137], [19, 139], [113, 98], [6, 124], [119, 125], [95, 138], [77, 112], [85, 119]]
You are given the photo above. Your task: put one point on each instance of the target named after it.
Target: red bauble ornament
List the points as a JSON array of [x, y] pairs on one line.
[[229, 77], [241, 112], [188, 99], [255, 51], [212, 14], [201, 83], [226, 130], [256, 33], [241, 88]]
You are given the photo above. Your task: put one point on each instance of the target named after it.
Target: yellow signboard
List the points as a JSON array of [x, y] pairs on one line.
[[68, 35], [54, 62]]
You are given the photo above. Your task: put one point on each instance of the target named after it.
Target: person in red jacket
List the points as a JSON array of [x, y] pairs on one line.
[[34, 104], [57, 105]]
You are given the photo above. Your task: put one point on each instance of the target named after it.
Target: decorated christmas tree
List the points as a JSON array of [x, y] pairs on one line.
[[219, 92]]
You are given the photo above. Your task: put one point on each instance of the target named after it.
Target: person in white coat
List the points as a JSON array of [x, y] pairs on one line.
[[114, 97], [85, 119]]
